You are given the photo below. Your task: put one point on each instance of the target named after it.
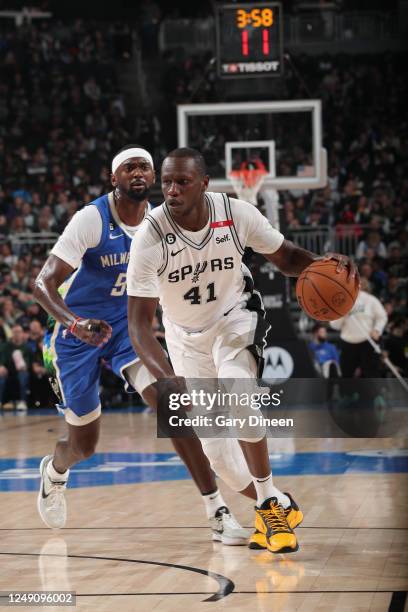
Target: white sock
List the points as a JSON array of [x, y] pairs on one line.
[[54, 475], [265, 489], [212, 502]]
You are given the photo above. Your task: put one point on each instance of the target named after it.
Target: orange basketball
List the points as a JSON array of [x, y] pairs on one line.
[[323, 293]]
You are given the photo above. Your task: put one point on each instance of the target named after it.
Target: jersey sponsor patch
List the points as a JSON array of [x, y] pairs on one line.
[[225, 223], [222, 239]]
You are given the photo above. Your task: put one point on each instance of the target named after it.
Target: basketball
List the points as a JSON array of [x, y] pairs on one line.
[[323, 293]]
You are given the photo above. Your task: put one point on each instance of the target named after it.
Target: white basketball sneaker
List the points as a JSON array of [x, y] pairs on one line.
[[226, 529], [51, 502]]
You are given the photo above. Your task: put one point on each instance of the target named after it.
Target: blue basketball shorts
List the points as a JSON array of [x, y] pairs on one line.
[[74, 368]]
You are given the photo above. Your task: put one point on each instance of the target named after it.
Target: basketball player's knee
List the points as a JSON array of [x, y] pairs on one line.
[[83, 449], [227, 460], [143, 381], [84, 446], [239, 379], [88, 448], [243, 365]]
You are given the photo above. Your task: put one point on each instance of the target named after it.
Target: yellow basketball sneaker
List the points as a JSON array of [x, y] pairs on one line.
[[272, 530], [257, 541], [294, 516]]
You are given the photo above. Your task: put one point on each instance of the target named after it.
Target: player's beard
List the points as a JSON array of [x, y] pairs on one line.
[[138, 196]]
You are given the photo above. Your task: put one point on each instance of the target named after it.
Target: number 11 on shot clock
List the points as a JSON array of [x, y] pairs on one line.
[[249, 40]]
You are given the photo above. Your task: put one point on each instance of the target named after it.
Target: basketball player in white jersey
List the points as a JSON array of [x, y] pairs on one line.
[[82, 287], [188, 252]]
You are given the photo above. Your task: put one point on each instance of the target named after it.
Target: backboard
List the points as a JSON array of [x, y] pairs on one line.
[[294, 127]]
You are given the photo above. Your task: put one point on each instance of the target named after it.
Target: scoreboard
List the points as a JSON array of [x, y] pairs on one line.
[[249, 39]]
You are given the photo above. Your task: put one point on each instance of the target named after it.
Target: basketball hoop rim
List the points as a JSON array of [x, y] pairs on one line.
[[249, 178], [247, 182]]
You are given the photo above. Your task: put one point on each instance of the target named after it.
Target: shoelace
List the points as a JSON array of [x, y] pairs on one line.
[[55, 494], [232, 521], [232, 526], [275, 518]]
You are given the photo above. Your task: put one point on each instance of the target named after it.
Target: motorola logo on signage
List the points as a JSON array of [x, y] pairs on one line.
[[279, 364], [249, 39]]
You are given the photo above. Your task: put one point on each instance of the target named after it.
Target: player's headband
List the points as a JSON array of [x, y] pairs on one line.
[[127, 154]]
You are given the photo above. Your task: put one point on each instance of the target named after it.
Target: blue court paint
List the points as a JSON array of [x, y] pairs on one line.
[[127, 468]]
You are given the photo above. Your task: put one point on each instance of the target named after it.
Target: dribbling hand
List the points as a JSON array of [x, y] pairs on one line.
[[345, 262]]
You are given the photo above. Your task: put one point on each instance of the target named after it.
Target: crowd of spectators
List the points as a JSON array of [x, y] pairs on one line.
[[366, 199], [62, 115]]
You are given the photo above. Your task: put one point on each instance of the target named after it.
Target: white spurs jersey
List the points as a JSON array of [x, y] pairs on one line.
[[199, 276]]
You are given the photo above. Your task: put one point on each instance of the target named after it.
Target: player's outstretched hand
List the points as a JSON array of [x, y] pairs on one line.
[[93, 331], [343, 263]]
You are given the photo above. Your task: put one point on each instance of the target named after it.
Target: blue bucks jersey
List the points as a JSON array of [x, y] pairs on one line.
[[97, 289]]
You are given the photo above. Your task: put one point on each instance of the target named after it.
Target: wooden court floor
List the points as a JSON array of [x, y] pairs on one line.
[[137, 537]]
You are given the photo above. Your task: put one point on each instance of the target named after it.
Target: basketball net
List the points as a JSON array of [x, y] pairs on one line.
[[247, 181]]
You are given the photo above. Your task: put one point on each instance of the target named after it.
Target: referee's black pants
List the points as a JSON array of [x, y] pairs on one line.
[[360, 355]]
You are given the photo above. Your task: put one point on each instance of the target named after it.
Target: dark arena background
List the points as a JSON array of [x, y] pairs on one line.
[[299, 107]]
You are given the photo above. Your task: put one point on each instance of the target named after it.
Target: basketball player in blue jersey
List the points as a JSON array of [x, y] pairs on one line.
[[213, 317], [83, 288]]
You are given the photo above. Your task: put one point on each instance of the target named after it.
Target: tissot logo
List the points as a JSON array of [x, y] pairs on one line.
[[278, 363], [251, 67]]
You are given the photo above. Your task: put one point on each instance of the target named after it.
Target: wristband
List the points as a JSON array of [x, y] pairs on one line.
[[73, 325]]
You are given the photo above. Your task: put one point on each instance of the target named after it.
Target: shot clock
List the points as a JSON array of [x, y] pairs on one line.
[[249, 39]]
